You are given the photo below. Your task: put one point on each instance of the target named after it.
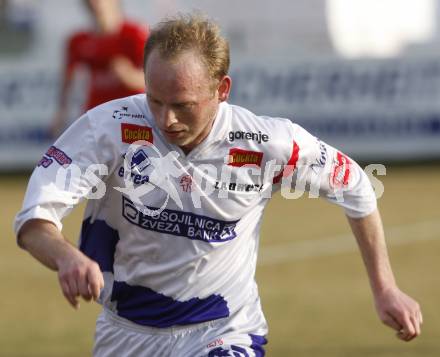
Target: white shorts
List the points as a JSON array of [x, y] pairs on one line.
[[240, 335]]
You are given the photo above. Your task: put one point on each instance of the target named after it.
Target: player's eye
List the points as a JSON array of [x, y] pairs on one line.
[[184, 106], [154, 101]]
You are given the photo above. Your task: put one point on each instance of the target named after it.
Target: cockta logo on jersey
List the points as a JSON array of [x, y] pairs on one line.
[[132, 132], [340, 176], [239, 157], [53, 153], [244, 135]]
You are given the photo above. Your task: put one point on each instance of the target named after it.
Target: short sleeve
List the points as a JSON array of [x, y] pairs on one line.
[[323, 171], [63, 176]]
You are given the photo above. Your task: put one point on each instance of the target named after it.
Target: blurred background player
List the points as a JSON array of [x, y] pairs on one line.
[[112, 54]]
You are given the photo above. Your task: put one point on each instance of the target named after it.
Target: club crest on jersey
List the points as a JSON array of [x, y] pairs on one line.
[[340, 176], [132, 132], [186, 183], [240, 157]]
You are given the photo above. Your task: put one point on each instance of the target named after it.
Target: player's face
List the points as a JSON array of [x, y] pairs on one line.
[[183, 98]]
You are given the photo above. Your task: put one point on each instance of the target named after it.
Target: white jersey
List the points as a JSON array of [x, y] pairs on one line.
[[183, 248]]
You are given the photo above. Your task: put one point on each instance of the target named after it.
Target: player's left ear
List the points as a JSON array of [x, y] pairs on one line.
[[224, 88]]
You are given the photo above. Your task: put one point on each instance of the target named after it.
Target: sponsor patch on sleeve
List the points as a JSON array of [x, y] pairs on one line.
[[240, 157], [132, 132], [340, 175], [53, 153]]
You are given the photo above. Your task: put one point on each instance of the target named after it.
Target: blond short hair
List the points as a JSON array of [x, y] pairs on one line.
[[191, 32]]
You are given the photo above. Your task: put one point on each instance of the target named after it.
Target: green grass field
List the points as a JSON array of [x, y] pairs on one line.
[[312, 282]]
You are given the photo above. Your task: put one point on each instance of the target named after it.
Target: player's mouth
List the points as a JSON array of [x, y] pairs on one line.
[[173, 133]]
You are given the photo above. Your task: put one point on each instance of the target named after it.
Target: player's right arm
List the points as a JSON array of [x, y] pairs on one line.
[[77, 274], [69, 171]]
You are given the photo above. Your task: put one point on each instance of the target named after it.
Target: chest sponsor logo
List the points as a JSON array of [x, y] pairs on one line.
[[132, 132], [240, 187], [179, 223], [240, 157], [122, 113], [139, 162], [245, 135]]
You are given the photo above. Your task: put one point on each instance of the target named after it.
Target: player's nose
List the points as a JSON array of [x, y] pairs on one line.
[[167, 117]]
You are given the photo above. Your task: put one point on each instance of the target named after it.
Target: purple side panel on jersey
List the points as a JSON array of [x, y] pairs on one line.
[[219, 352], [257, 344], [98, 242], [239, 351], [147, 307]]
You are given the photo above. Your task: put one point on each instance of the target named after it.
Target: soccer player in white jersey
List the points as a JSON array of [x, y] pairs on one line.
[[170, 235]]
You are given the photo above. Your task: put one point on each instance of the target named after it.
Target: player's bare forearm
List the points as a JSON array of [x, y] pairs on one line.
[[395, 308], [44, 241], [77, 274], [371, 240]]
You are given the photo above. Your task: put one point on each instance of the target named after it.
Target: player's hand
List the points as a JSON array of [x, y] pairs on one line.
[[400, 312], [80, 276]]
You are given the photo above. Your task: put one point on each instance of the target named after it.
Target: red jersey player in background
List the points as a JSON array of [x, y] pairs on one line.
[[112, 53]]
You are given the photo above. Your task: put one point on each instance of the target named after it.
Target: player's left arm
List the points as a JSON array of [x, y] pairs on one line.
[[395, 308], [324, 169]]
